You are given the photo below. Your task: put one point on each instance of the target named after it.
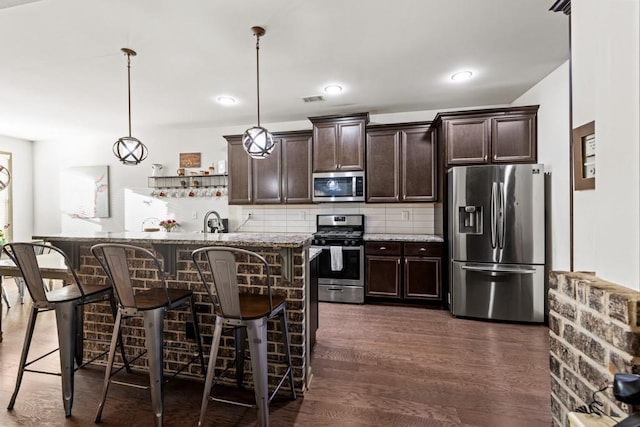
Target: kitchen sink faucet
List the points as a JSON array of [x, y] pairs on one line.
[[218, 228]]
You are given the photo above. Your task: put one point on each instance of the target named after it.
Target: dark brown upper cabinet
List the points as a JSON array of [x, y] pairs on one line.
[[240, 175], [282, 177], [296, 167], [267, 177], [489, 136], [338, 142], [401, 163]]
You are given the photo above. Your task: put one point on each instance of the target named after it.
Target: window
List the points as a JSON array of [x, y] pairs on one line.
[[6, 217]]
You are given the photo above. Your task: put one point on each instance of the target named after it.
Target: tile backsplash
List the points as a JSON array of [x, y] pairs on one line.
[[397, 218]]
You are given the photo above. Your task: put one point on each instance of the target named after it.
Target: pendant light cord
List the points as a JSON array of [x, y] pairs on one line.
[[129, 88], [258, 74]]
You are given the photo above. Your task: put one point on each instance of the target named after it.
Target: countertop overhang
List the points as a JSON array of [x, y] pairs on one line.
[[278, 240]]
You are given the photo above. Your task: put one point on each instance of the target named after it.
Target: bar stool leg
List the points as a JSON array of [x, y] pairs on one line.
[[196, 328], [240, 334], [4, 297], [215, 344], [114, 313], [66, 320], [257, 332], [107, 373], [25, 352], [153, 330], [285, 338]]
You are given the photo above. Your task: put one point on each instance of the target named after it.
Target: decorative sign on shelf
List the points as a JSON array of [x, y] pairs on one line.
[[190, 160]]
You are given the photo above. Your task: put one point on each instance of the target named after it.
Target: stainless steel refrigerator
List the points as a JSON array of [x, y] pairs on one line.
[[496, 225]]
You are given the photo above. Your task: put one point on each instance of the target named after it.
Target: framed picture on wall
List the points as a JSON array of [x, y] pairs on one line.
[[84, 191], [584, 157]]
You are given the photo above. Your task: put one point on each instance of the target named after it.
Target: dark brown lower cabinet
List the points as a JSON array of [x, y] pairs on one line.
[[409, 271]]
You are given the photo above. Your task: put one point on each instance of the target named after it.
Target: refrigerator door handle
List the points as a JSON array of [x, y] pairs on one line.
[[494, 188], [502, 212], [499, 270]]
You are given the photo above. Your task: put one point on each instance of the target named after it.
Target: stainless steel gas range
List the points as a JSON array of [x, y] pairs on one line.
[[341, 262]]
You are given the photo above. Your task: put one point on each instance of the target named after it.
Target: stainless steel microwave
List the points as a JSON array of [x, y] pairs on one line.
[[338, 187]]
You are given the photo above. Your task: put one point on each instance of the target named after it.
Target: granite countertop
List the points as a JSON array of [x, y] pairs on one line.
[[403, 237], [314, 252], [278, 240]]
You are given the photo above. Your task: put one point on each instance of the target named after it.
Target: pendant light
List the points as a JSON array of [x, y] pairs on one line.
[[257, 141], [129, 150], [5, 177]]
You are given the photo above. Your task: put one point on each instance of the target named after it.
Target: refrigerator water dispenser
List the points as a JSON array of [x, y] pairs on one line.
[[470, 219]]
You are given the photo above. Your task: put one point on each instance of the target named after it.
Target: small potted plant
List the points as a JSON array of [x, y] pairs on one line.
[[3, 234], [169, 224]]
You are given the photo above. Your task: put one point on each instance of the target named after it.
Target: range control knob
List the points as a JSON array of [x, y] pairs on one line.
[[323, 242], [346, 243]]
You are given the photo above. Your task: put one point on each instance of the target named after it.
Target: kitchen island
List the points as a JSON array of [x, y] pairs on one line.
[[287, 255]]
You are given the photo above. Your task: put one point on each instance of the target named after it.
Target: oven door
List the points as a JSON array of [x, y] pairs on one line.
[[352, 273]]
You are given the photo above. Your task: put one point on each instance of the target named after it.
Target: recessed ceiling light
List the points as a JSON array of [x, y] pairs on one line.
[[333, 89], [462, 75], [226, 100]]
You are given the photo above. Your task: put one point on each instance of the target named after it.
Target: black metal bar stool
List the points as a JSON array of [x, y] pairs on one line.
[[65, 301], [119, 262], [250, 311]]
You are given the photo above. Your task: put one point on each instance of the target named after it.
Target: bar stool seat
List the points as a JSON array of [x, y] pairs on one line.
[[245, 311], [254, 306], [70, 293], [150, 299], [65, 301]]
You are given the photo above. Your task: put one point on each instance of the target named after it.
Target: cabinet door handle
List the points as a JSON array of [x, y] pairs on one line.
[[423, 249], [383, 248], [495, 157], [485, 158]]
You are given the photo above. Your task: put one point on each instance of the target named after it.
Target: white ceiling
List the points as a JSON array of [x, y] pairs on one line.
[[62, 73]]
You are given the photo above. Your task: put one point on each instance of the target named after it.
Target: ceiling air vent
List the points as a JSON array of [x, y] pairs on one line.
[[314, 98]]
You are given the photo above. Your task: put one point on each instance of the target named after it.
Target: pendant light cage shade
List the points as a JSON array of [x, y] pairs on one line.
[[129, 150], [5, 177], [258, 142]]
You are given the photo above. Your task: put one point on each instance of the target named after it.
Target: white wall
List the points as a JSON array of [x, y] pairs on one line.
[[131, 201], [552, 94], [21, 185], [605, 55]]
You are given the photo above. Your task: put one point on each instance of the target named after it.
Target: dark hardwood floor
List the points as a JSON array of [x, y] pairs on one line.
[[373, 366]]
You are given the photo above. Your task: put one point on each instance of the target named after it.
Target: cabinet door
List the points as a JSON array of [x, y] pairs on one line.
[[418, 166], [467, 140], [513, 139], [325, 147], [296, 168], [422, 278], [267, 177], [240, 191], [383, 166], [351, 146], [383, 276]]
